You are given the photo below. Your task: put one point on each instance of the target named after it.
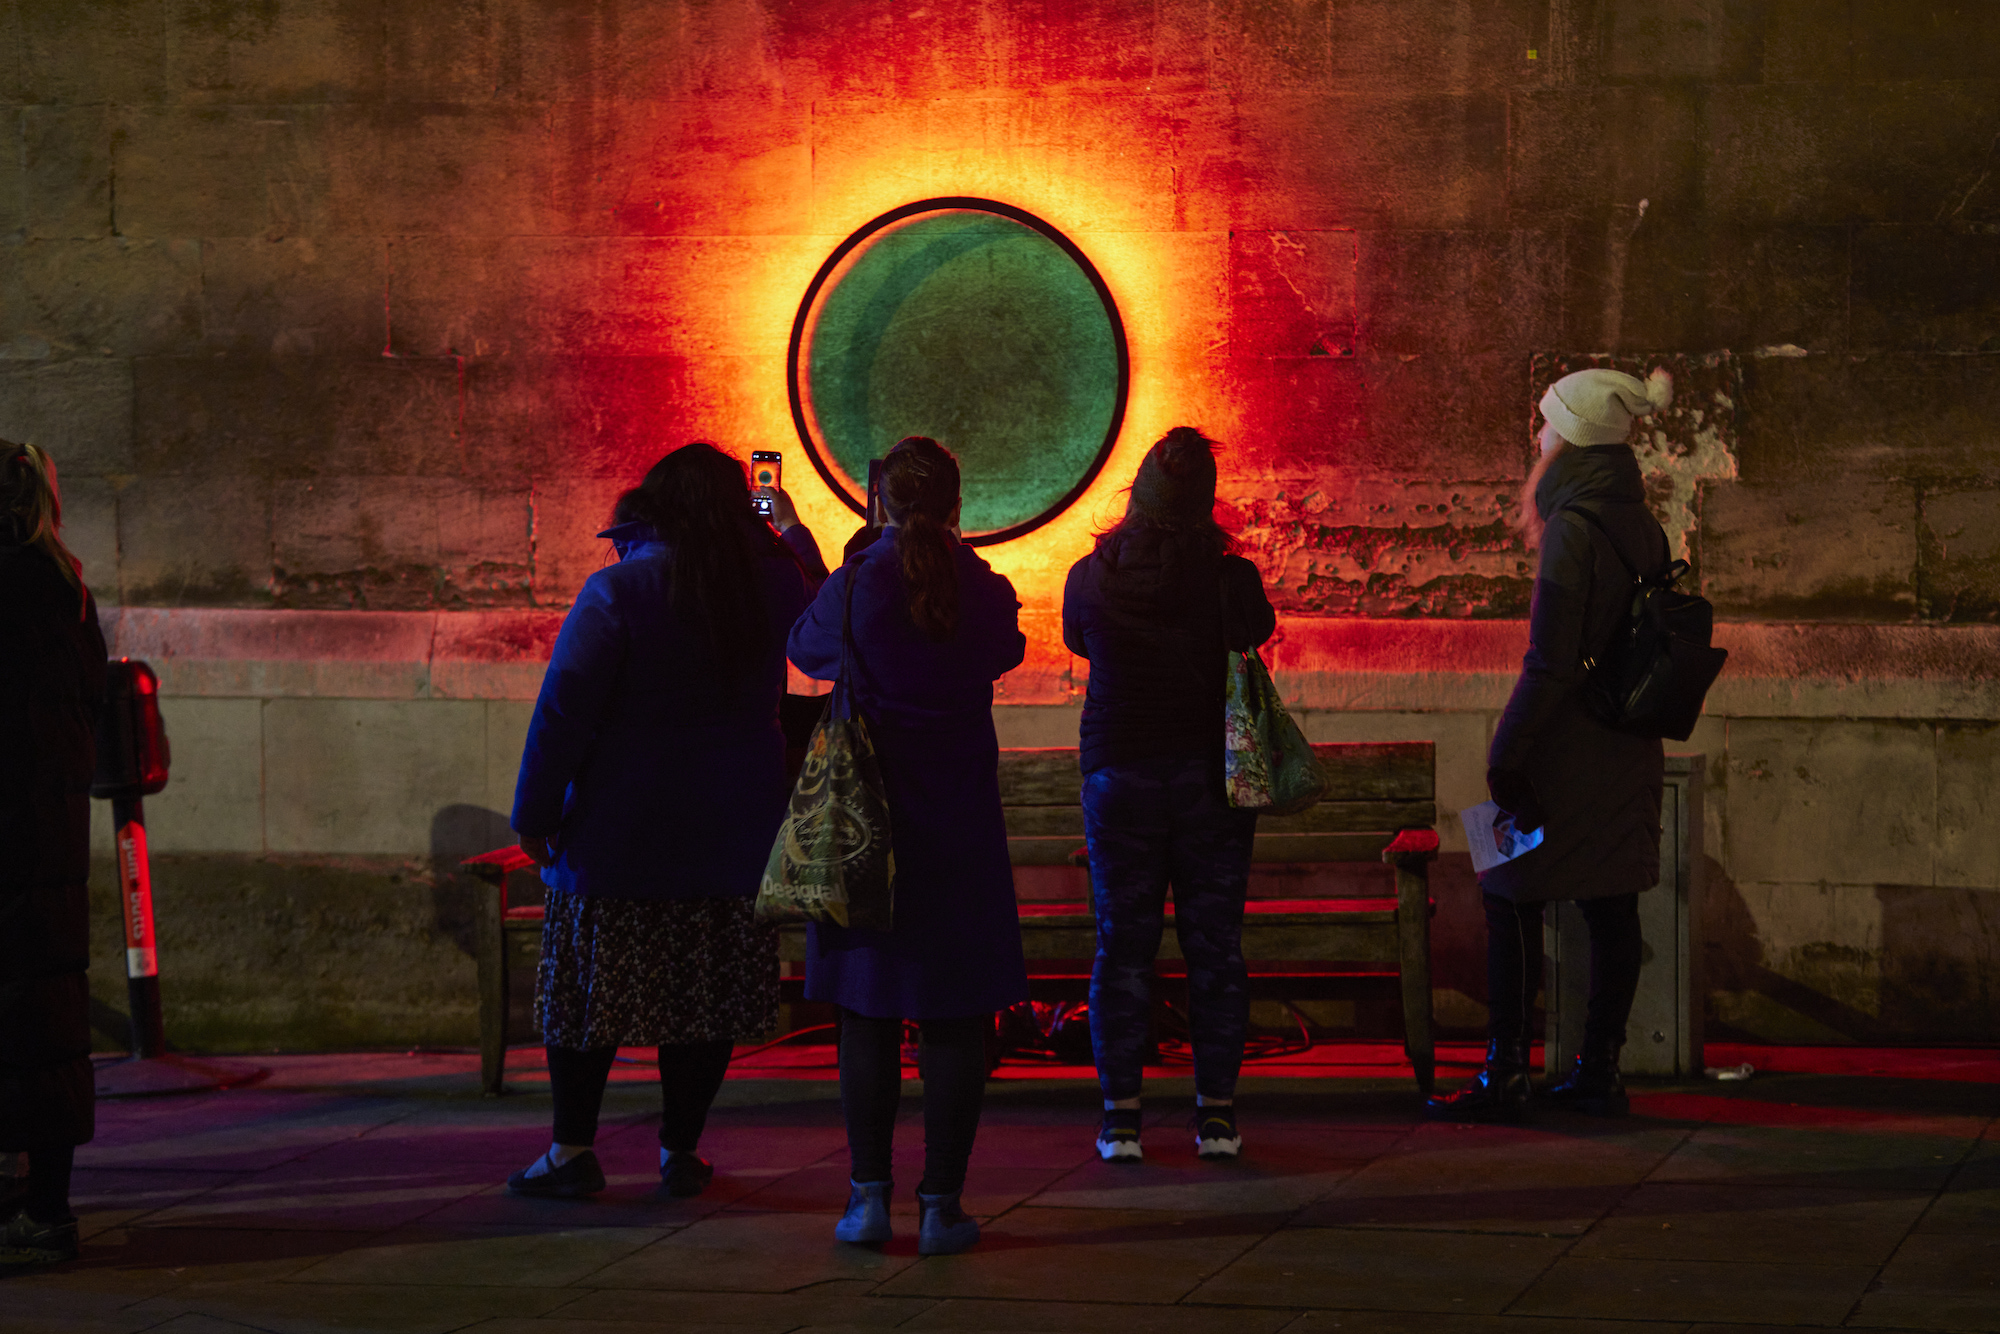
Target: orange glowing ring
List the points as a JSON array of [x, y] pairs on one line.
[[820, 452]]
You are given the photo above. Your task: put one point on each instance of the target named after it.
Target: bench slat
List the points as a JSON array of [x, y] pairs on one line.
[[1355, 770], [1055, 850], [1329, 817]]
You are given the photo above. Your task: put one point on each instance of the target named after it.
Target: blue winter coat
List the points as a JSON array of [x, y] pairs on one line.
[[654, 777], [956, 947]]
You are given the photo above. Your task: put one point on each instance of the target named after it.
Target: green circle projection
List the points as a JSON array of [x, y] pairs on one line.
[[978, 325]]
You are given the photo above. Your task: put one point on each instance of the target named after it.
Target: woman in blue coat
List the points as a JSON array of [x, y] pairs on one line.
[[651, 787], [933, 628]]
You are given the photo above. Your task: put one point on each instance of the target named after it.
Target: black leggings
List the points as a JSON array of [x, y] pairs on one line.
[[690, 1076], [1514, 969], [952, 1059]]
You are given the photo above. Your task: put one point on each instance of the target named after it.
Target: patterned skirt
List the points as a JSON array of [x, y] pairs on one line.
[[642, 972]]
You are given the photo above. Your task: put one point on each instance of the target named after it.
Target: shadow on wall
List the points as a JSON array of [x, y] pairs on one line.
[[1929, 978], [458, 832]]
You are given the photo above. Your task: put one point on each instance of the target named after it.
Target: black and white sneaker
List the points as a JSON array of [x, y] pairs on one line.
[[1215, 1133], [1118, 1138]]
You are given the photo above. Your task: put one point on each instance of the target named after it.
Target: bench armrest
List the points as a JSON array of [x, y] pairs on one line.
[[1411, 848]]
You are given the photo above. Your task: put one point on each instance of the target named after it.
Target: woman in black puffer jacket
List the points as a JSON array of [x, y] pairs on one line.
[[1553, 766], [52, 660]]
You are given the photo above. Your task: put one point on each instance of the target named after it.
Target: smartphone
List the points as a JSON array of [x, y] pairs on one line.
[[872, 508], [767, 470]]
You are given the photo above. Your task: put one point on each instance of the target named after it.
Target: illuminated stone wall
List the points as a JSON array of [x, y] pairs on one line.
[[347, 318]]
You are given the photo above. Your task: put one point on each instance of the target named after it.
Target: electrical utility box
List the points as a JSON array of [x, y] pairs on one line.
[[1663, 1039]]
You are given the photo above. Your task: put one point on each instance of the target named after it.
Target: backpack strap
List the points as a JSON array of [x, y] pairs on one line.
[[1598, 524]]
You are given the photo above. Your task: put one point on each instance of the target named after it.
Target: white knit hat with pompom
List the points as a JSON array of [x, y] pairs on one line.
[[1596, 407]]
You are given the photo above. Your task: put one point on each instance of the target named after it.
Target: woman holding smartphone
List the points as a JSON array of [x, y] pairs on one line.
[[652, 784], [933, 627]]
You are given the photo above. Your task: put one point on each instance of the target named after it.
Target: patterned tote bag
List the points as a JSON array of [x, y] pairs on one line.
[[832, 860], [1267, 763]]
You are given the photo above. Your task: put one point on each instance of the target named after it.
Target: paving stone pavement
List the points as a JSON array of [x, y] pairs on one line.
[[363, 1193]]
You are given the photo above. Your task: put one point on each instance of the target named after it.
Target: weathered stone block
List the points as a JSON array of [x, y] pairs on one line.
[[1116, 45], [613, 417], [300, 51], [302, 296], [688, 168], [80, 411], [1806, 42], [1345, 160], [868, 156], [1439, 44], [1829, 550], [368, 776], [1708, 41], [62, 176], [1839, 802], [1825, 153], [1820, 949], [1462, 415], [1590, 154], [569, 513], [214, 798], [1458, 292], [111, 297], [200, 540], [90, 531], [398, 542], [1968, 780], [1926, 289], [440, 169], [223, 171], [297, 416], [13, 173], [1880, 416], [92, 51], [1960, 541], [300, 953], [693, 297], [1298, 414], [1271, 45], [1291, 294], [506, 742], [1894, 41], [851, 48], [1766, 287]]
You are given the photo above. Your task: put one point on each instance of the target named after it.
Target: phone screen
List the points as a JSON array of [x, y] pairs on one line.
[[767, 471]]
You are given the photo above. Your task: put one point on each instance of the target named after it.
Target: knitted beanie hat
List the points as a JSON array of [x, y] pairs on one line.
[[1176, 479], [1596, 407]]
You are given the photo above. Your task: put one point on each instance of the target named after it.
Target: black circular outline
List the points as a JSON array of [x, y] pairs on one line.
[[964, 203]]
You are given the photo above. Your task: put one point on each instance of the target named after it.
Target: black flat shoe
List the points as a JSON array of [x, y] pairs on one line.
[[1497, 1093], [683, 1175], [1593, 1087], [579, 1176]]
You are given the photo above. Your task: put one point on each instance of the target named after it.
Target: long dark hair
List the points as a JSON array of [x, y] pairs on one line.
[[920, 487], [31, 511], [1184, 460], [698, 500]]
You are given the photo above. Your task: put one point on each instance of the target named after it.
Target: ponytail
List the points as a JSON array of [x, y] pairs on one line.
[[920, 486]]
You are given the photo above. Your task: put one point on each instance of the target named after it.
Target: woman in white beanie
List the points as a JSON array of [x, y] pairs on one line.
[[1593, 791]]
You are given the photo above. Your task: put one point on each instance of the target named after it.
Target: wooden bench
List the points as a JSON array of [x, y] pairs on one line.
[[1380, 807]]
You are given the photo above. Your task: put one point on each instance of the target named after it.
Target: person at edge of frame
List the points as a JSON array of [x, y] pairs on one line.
[[651, 785], [1552, 765], [53, 662], [933, 627], [1154, 608]]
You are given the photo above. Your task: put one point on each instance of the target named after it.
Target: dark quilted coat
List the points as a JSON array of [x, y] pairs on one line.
[[1599, 790], [52, 664]]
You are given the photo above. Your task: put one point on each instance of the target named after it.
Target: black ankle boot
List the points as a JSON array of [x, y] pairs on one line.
[[1593, 1086], [1497, 1093]]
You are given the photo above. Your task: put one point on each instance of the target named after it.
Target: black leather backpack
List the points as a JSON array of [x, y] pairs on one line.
[[1651, 678]]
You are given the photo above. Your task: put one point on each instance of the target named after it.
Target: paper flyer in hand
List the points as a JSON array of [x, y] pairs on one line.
[[1490, 832]]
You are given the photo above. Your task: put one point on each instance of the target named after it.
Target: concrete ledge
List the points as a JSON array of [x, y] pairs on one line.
[[1775, 670]]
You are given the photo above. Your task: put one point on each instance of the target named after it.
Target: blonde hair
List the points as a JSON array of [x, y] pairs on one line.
[[31, 510], [1527, 520]]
